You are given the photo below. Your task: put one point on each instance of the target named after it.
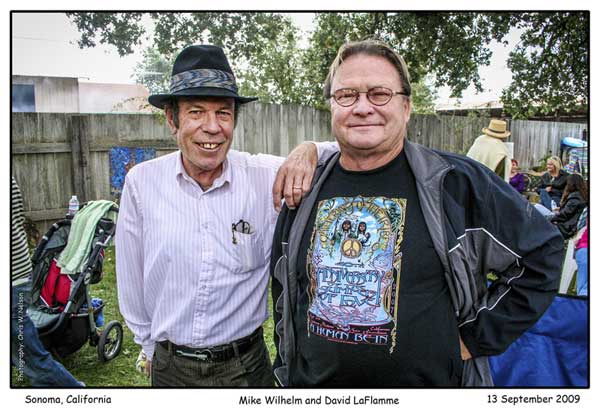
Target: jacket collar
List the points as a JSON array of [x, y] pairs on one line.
[[427, 166], [575, 194], [429, 170]]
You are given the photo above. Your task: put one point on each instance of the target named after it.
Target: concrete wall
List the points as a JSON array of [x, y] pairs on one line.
[[52, 94], [111, 97], [68, 95]]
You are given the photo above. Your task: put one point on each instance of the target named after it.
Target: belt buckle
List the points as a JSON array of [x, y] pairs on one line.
[[203, 355]]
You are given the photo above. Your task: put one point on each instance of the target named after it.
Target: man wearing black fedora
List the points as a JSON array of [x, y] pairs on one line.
[[194, 235]]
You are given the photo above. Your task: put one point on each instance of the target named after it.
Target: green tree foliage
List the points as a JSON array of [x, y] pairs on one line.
[[549, 65], [398, 30], [423, 97], [154, 71], [261, 46], [122, 30], [450, 47]]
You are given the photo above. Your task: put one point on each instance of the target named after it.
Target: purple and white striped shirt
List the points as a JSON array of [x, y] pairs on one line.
[[179, 275]]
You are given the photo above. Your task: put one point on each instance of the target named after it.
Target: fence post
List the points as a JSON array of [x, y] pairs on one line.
[[80, 150]]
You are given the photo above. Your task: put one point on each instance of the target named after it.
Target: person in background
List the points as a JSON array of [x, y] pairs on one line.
[[194, 235], [27, 353], [490, 149], [553, 183], [517, 179], [581, 257], [572, 203], [570, 206]]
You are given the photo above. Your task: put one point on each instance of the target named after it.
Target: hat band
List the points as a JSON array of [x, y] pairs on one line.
[[496, 132], [208, 78]]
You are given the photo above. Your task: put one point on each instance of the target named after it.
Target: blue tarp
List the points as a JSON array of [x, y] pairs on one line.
[[573, 142], [552, 353]]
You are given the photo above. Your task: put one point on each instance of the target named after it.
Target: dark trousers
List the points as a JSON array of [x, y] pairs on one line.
[[249, 369], [546, 199]]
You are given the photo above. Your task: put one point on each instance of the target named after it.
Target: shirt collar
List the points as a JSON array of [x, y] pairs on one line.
[[225, 177]]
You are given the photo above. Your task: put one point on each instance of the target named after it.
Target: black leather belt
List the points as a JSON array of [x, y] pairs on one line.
[[219, 353]]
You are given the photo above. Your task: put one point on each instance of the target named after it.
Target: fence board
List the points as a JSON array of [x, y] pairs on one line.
[[41, 148], [76, 161], [65, 190], [100, 167], [39, 177], [52, 128], [21, 170]]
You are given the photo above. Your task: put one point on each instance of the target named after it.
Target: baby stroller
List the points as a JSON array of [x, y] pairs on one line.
[[62, 309]]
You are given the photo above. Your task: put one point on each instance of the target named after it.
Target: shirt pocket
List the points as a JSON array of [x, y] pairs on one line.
[[248, 251]]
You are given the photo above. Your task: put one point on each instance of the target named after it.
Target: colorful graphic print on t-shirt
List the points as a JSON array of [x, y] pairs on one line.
[[353, 265]]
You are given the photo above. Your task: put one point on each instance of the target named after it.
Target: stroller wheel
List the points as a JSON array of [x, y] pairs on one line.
[[110, 341]]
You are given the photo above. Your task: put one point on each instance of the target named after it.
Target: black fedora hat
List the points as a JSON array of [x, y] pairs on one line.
[[200, 70]]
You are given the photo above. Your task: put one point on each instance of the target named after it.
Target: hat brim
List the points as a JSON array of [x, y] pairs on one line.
[[495, 134], [160, 100]]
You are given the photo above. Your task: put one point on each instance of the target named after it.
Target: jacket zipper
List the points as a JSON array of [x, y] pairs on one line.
[[451, 287]]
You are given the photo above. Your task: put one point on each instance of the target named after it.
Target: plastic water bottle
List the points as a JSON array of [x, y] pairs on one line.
[[73, 206], [553, 205]]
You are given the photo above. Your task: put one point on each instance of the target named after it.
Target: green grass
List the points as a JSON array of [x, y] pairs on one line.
[[120, 372]]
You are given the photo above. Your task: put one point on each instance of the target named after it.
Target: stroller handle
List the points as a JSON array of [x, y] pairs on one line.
[[112, 208]]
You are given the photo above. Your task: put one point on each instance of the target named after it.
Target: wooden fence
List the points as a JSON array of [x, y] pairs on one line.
[[55, 155], [532, 139]]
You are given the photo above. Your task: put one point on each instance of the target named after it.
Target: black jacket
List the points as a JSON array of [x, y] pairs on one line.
[[558, 184], [478, 224], [566, 219]]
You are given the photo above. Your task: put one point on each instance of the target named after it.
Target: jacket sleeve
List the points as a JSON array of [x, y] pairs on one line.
[[571, 207], [544, 182], [326, 149], [276, 286], [560, 182], [524, 251], [130, 267], [521, 183]]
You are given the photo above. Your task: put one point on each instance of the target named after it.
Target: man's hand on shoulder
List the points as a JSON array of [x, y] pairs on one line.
[[295, 175]]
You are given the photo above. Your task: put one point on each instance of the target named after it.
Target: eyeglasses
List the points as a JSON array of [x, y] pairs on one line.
[[378, 96], [242, 227]]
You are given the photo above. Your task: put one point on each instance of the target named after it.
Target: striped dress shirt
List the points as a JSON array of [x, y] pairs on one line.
[[180, 275]]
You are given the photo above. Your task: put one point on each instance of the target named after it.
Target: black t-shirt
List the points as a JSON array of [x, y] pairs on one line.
[[374, 308]]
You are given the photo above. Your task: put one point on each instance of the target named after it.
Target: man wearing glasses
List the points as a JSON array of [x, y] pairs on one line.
[[412, 307]]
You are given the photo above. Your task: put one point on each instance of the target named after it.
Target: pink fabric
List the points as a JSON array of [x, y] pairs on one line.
[[583, 242]]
